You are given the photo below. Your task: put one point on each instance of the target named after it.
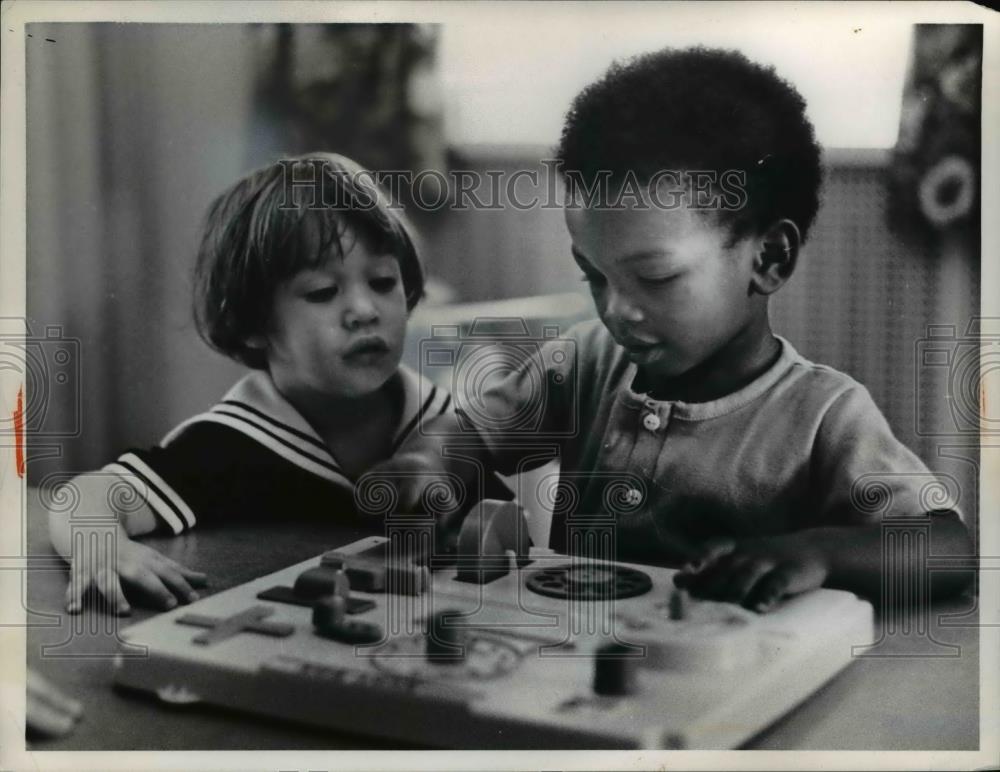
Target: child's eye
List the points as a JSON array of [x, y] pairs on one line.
[[384, 284], [321, 295], [657, 281]]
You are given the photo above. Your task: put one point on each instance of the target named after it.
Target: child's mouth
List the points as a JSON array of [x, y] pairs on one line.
[[640, 352], [366, 350]]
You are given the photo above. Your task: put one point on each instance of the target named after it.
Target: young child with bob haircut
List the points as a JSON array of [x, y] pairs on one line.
[[737, 458], [309, 285]]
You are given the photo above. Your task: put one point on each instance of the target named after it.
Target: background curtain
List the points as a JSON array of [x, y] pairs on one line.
[[133, 129]]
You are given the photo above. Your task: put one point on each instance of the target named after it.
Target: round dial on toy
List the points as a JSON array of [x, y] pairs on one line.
[[591, 576], [598, 581], [692, 634], [485, 657]]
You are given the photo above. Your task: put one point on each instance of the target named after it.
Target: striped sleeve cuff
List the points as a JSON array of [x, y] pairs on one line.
[[164, 501]]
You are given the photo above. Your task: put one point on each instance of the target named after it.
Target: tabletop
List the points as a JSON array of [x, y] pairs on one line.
[[921, 691]]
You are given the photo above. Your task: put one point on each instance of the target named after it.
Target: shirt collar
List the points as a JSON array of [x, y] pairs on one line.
[[255, 407], [699, 411]]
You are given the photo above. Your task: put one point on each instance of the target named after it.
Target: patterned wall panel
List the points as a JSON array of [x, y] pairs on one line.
[[862, 302]]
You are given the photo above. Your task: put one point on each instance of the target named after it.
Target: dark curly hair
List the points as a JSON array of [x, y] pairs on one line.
[[700, 109], [262, 231]]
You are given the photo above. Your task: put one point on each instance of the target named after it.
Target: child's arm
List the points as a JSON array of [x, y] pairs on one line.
[[449, 456], [840, 539], [451, 449], [134, 566], [759, 572], [422, 462]]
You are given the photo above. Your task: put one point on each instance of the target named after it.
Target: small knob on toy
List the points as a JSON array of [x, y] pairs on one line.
[[615, 670], [329, 612], [330, 620], [679, 603], [321, 581]]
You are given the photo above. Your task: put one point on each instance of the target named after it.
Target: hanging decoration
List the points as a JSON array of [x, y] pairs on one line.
[[368, 91], [935, 173]]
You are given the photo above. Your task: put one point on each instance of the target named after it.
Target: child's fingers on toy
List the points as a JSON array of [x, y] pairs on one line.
[[446, 540], [410, 494], [711, 552], [449, 511], [410, 475], [743, 577], [771, 588], [695, 573], [109, 585], [711, 578], [685, 577], [706, 580], [74, 598], [437, 497]]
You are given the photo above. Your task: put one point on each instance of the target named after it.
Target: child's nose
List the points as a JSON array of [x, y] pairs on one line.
[[360, 310], [620, 307]]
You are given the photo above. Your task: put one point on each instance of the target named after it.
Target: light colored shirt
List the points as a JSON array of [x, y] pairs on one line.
[[803, 445]]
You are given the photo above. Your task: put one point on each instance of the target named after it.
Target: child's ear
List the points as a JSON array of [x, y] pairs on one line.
[[777, 255], [257, 342]]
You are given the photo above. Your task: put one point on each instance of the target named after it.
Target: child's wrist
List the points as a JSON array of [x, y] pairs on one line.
[[850, 555]]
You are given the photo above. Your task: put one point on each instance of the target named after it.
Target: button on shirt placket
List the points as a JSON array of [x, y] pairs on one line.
[[637, 452], [654, 418]]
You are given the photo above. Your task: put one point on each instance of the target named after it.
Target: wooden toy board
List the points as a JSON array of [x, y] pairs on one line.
[[526, 680]]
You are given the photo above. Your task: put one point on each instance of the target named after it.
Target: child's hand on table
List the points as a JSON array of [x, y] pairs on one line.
[[755, 573], [48, 711], [141, 569]]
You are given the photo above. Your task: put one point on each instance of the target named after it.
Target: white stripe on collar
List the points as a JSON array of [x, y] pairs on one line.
[[255, 407], [422, 401]]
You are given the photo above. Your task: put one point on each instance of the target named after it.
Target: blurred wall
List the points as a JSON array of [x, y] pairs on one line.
[[132, 131], [848, 64]]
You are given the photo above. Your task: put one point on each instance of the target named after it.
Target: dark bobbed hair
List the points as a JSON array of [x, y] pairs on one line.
[[700, 109], [262, 231]]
